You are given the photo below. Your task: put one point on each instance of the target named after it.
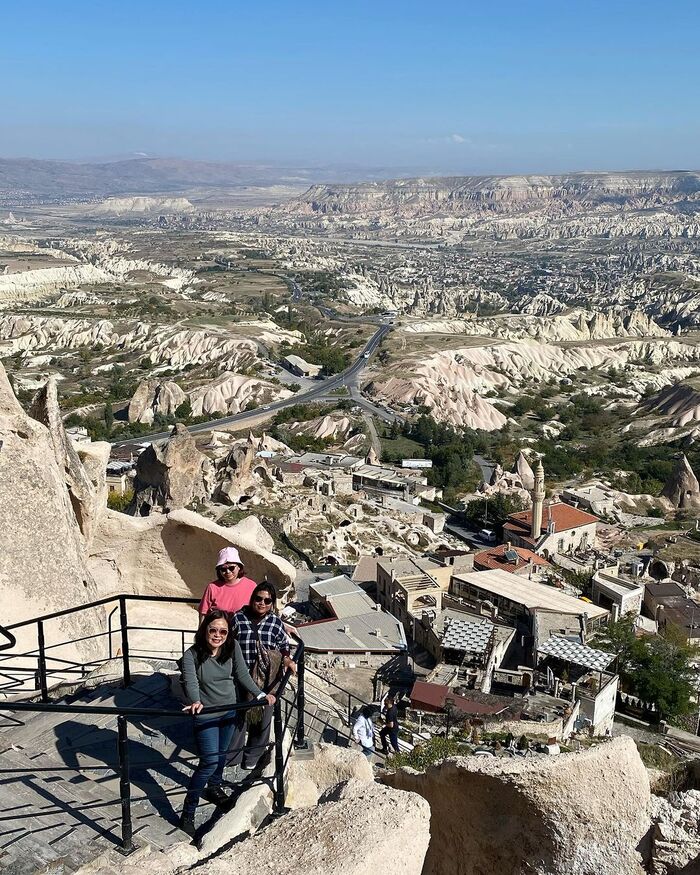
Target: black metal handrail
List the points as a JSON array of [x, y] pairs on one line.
[[122, 713], [11, 640]]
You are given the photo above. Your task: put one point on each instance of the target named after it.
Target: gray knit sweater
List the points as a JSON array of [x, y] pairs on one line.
[[214, 683]]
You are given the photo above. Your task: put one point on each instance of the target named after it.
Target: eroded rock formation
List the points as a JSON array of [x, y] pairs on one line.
[[174, 554], [43, 564], [577, 814], [682, 488], [171, 474]]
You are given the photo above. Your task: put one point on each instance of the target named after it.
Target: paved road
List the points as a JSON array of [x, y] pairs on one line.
[[349, 378]]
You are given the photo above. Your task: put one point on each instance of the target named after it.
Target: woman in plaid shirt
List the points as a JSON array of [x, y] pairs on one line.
[[263, 641]]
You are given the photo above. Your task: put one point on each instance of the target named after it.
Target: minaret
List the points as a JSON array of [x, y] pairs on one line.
[[537, 502]]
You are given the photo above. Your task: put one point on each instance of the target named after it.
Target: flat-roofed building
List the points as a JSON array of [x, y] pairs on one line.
[[594, 497], [300, 367], [535, 609], [409, 587], [618, 594], [353, 629], [668, 604]]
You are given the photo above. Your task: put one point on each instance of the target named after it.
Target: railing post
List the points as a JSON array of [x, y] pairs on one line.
[[125, 640], [301, 703], [124, 784], [279, 756], [42, 661], [349, 710]]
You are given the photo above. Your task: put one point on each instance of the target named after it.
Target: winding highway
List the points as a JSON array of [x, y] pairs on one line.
[[349, 378]]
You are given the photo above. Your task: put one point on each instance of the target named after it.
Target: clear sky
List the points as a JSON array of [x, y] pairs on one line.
[[465, 87]]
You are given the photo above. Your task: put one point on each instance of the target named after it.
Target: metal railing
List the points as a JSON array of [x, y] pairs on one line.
[[43, 672]]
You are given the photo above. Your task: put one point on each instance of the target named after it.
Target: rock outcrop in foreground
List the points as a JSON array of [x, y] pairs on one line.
[[46, 510], [676, 834], [358, 828], [577, 814], [174, 554]]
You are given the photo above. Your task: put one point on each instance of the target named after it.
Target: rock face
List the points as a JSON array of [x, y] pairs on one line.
[[465, 195], [170, 474], [365, 828], [676, 834], [175, 554], [577, 814], [87, 495], [151, 397], [682, 488], [229, 393], [309, 779], [44, 495], [524, 471]]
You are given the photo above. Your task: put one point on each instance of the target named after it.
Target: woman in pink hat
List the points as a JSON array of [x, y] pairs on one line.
[[231, 590]]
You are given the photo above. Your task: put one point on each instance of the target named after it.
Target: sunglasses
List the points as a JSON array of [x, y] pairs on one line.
[[262, 601], [222, 633], [226, 569]]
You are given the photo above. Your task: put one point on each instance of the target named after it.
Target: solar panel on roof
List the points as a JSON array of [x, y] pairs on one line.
[[511, 556]]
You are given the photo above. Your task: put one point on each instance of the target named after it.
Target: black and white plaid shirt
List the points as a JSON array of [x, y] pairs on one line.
[[270, 630]]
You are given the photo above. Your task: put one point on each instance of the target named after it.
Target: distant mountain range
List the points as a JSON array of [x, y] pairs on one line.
[[35, 180]]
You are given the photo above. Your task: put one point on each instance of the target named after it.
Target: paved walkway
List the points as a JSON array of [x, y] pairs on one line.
[[59, 788]]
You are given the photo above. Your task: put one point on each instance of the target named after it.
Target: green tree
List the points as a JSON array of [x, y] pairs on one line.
[[183, 412], [108, 416]]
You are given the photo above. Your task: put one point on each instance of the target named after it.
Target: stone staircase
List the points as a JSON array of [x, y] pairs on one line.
[[59, 787]]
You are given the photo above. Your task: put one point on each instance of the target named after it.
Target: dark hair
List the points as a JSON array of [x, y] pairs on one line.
[[220, 576], [265, 587], [201, 648], [368, 711]]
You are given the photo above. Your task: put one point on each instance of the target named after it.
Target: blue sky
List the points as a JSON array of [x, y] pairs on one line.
[[458, 87]]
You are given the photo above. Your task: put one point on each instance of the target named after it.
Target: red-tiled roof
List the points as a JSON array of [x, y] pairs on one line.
[[431, 697], [495, 557], [563, 515]]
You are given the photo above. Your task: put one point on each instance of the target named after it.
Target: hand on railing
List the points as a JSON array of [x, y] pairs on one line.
[[290, 664], [270, 699], [194, 708]]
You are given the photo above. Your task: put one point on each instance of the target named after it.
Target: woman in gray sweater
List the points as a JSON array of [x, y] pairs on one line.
[[211, 669]]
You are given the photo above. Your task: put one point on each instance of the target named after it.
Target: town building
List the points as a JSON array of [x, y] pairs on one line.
[[620, 595], [668, 604], [300, 367], [561, 529], [580, 674], [411, 587], [514, 560], [351, 629], [534, 609], [467, 647], [595, 498], [119, 477]]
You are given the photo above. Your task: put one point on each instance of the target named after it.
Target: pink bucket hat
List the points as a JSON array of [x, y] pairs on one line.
[[228, 554]]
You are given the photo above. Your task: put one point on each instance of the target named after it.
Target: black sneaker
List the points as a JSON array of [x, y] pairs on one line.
[[186, 824], [216, 794]]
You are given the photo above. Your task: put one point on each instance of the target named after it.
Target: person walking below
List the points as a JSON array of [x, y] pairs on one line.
[[363, 731], [390, 729], [211, 669], [265, 648], [231, 589]]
